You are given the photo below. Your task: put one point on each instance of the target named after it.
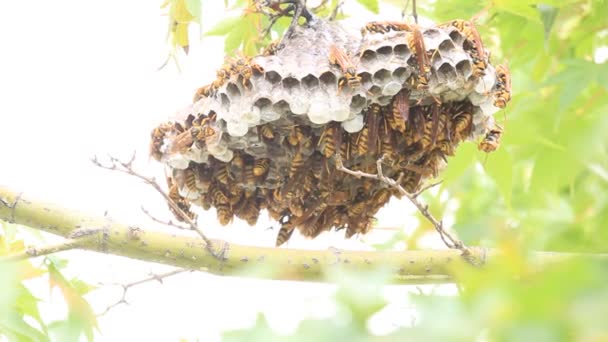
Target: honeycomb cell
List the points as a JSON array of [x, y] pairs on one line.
[[272, 77], [384, 100], [289, 83], [233, 91], [464, 68], [381, 77], [446, 46], [368, 57], [177, 161], [391, 88], [402, 51], [384, 53], [357, 103], [319, 112], [486, 82], [310, 81], [225, 100], [457, 37], [401, 74], [281, 107], [446, 72], [299, 103], [366, 79], [328, 79], [236, 128], [353, 125], [375, 90]]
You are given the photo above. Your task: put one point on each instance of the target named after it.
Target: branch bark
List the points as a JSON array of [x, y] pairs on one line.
[[188, 251]]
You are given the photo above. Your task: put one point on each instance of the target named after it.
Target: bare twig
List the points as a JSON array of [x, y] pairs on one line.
[[12, 206], [33, 251], [126, 287], [334, 12], [425, 188], [126, 167], [423, 208], [166, 223]]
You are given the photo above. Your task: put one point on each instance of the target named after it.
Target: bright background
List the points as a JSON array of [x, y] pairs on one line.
[[79, 78]]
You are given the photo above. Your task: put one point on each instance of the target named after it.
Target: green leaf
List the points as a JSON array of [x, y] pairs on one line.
[[370, 5], [194, 7], [499, 165], [81, 319], [225, 26], [547, 13]]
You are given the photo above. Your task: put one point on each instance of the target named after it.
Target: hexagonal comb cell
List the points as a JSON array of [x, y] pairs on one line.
[[464, 68], [457, 37], [368, 56], [384, 53], [273, 77], [446, 46], [328, 79], [381, 77], [402, 51], [233, 91], [446, 72], [401, 74], [310, 81], [290, 83]]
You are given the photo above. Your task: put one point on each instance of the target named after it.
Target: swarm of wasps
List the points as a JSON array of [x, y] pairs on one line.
[[296, 179]]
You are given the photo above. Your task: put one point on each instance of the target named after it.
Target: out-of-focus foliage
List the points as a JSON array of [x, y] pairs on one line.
[[20, 316]]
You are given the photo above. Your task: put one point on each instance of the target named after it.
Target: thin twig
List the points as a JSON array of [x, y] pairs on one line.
[[425, 188], [334, 12], [126, 167], [12, 206], [166, 223], [33, 251], [126, 287], [423, 208]]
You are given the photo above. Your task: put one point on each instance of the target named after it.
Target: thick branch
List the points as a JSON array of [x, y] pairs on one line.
[[432, 266]]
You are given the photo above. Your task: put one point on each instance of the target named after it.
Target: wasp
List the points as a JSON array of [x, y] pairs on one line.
[[223, 75], [343, 61], [179, 201], [385, 27], [462, 124], [380, 198], [244, 67], [503, 86], [261, 167], [222, 174], [296, 164], [284, 234], [492, 140], [271, 49], [400, 111], [204, 91], [157, 140], [416, 44], [266, 132], [330, 140], [224, 214], [248, 210], [373, 117]]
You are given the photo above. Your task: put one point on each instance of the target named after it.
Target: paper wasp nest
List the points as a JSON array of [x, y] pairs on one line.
[[267, 132]]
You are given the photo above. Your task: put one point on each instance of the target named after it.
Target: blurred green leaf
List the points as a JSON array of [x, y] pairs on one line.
[[225, 26], [547, 13], [81, 319], [499, 165], [370, 5]]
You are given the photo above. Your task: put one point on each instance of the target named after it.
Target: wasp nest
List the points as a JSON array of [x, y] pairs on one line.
[[268, 132]]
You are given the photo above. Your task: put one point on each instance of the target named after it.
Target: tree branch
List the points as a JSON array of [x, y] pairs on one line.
[[33, 251], [106, 236], [126, 287]]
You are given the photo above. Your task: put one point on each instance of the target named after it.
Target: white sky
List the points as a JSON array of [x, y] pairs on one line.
[[79, 78]]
